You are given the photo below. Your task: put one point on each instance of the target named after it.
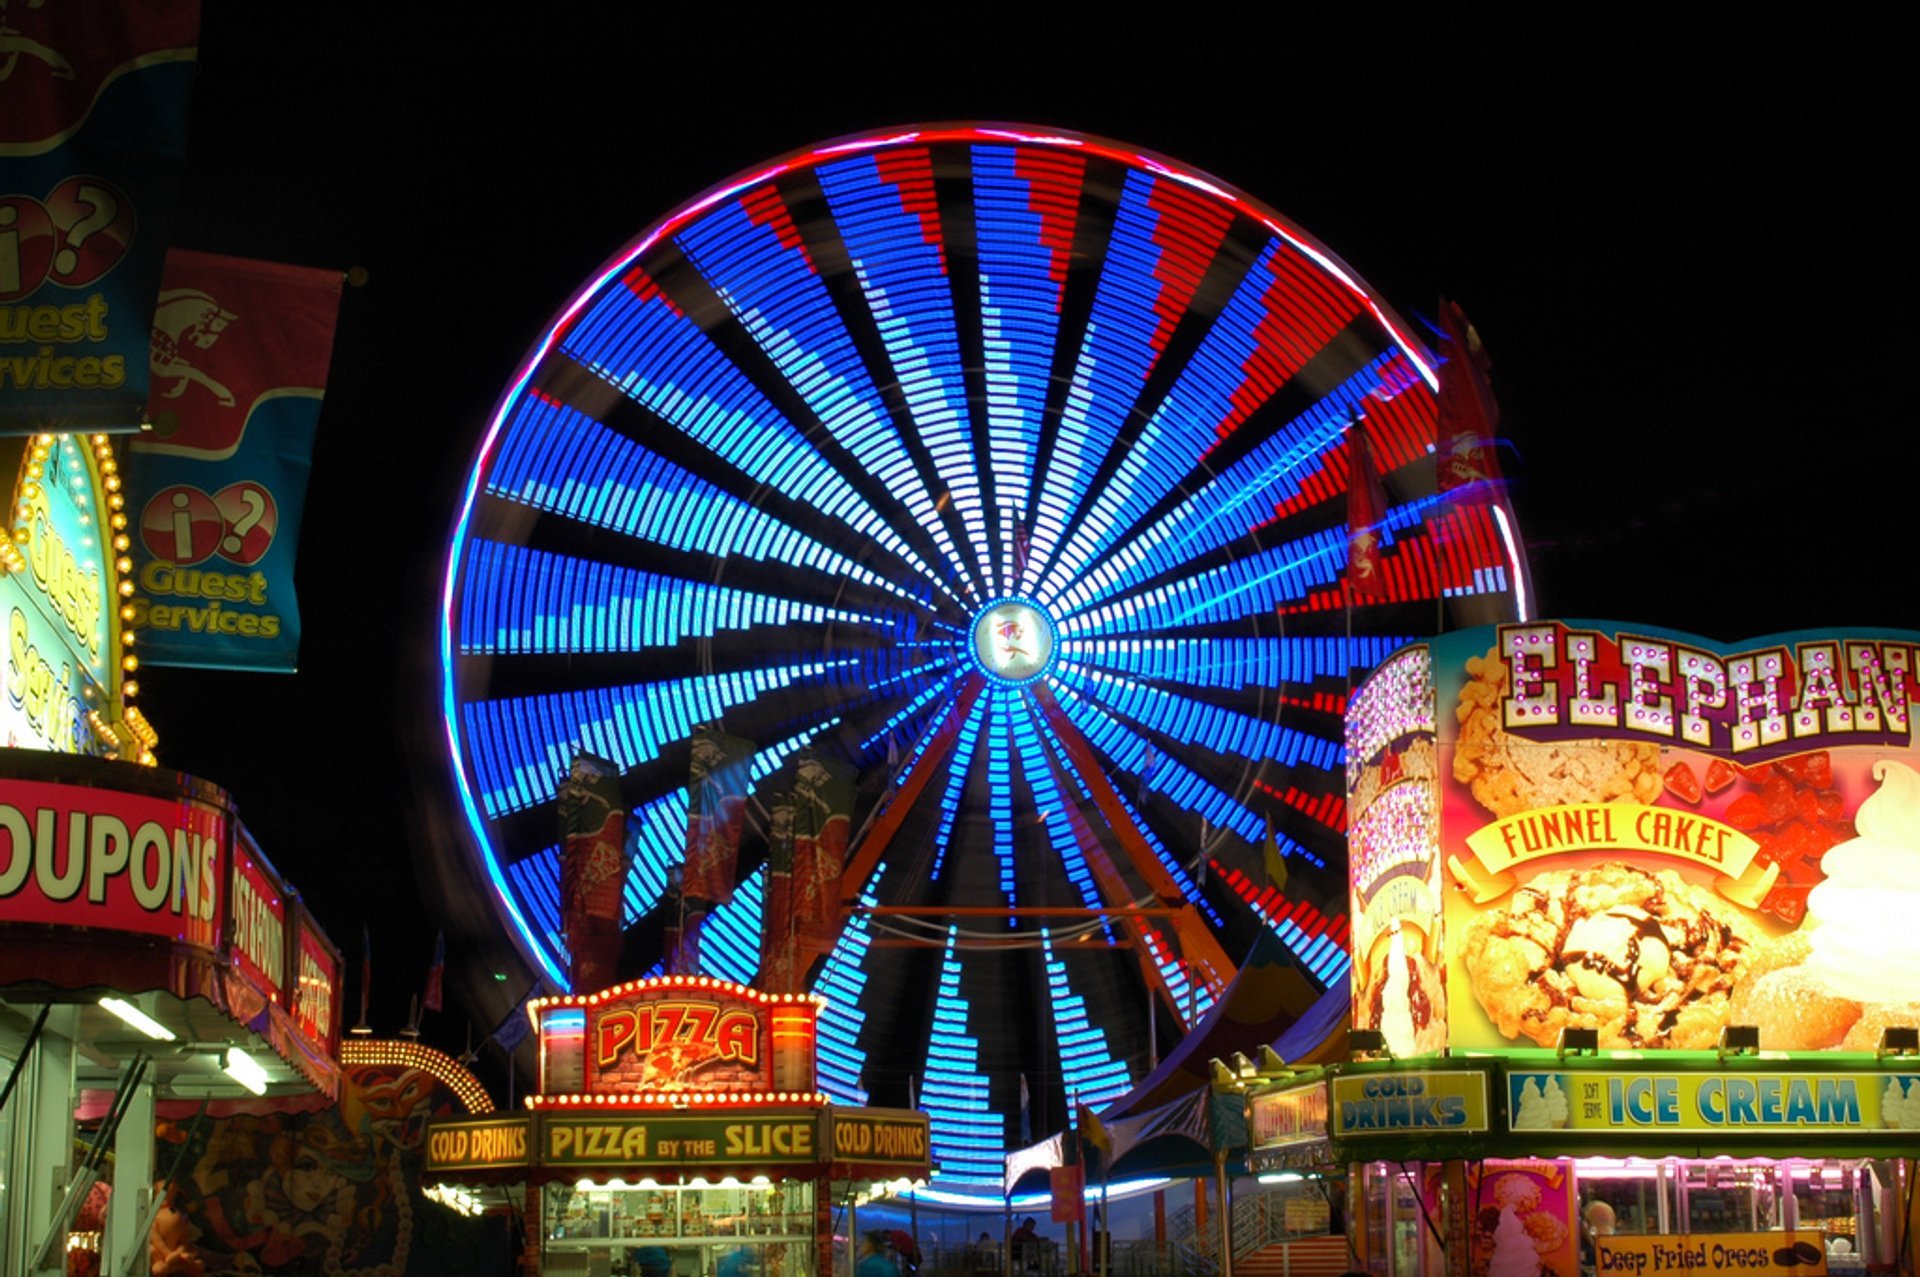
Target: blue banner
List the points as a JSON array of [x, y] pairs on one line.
[[93, 122], [216, 490]]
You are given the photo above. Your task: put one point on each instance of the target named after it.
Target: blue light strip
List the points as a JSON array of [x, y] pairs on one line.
[[556, 459], [537, 879], [904, 278], [1235, 662], [522, 746], [921, 701], [657, 843], [1087, 1068], [773, 291], [1195, 722], [1186, 789], [1182, 429], [1233, 503], [661, 360], [1019, 320], [1177, 871], [842, 982], [1000, 790], [957, 767], [968, 1136], [1245, 587], [532, 601], [1115, 359], [1036, 764]]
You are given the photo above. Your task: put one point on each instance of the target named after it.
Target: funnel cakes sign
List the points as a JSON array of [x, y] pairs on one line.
[[1584, 826]]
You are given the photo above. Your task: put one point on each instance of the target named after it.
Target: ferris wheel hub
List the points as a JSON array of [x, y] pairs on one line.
[[1013, 640]]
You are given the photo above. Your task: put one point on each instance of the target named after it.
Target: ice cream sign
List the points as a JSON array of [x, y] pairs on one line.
[[1732, 1103], [1651, 835]]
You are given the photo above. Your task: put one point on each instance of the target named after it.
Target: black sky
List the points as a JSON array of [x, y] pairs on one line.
[[1690, 256]]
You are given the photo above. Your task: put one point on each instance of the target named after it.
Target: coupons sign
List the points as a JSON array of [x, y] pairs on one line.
[[79, 856]]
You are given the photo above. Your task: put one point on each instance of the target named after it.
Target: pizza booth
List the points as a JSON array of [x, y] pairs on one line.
[[1636, 980], [678, 1130]]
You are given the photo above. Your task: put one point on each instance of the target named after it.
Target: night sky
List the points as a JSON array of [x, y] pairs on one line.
[[1689, 263]]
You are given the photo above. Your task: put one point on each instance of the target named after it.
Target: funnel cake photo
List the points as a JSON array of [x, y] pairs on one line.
[[1510, 774], [1644, 958]]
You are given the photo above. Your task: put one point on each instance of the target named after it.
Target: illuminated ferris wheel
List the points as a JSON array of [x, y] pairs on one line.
[[1009, 468]]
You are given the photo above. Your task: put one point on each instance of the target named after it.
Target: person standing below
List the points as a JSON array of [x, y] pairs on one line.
[[873, 1257]]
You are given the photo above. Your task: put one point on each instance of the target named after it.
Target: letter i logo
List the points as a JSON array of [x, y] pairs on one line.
[[181, 525]]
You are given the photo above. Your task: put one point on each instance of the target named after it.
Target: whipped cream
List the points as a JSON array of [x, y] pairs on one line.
[[1396, 1004], [1514, 1254], [1865, 945], [1900, 1103]]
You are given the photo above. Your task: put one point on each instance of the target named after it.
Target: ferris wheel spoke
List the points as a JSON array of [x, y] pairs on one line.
[[1197, 938], [1283, 316], [531, 601], [555, 459], [1242, 499], [750, 254], [1164, 236], [1197, 722], [889, 221], [1026, 204], [1232, 663], [642, 346]]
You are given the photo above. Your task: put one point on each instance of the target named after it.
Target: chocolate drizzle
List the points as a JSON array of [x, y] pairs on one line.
[[1626, 973]]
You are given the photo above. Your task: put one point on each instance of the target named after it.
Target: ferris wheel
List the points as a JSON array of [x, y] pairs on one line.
[[1007, 467]]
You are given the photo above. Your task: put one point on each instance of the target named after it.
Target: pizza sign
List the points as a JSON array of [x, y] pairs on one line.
[[667, 1040]]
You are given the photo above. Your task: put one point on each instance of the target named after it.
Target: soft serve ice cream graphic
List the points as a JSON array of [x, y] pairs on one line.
[[1514, 1254], [1543, 1104], [1861, 920], [1900, 1103]]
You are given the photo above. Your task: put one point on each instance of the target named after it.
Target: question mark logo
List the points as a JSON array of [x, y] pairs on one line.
[[94, 222], [251, 520]]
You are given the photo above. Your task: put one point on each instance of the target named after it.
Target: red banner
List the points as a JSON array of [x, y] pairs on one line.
[[822, 823], [593, 869]]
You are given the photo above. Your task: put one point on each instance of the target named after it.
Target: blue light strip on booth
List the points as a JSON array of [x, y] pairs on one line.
[[968, 1136], [900, 263], [772, 290]]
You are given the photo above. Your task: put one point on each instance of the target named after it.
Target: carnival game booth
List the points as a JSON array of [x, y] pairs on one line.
[[679, 1128], [148, 952], [1636, 975]]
